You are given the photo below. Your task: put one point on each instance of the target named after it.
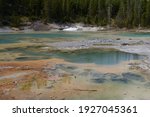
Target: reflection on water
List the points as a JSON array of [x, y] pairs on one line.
[[97, 56]]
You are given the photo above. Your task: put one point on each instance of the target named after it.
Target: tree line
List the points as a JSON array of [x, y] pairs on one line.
[[119, 13]]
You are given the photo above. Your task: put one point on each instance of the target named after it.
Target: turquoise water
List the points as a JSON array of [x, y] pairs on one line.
[[35, 52], [135, 34], [14, 38], [95, 56], [101, 57]]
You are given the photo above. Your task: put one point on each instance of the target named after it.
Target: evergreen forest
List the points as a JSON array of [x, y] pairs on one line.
[[117, 13]]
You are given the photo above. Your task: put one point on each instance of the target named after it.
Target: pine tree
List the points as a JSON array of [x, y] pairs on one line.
[[148, 13], [122, 13], [121, 16]]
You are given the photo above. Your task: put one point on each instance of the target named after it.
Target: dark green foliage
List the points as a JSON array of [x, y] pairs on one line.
[[121, 13]]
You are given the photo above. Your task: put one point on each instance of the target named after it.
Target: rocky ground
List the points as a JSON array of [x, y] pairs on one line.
[[138, 45], [58, 79], [40, 26]]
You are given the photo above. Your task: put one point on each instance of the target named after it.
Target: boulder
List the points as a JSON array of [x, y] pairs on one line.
[[39, 26]]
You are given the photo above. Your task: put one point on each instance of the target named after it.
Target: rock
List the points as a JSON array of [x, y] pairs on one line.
[[54, 26], [26, 23], [15, 29], [118, 39], [21, 28], [5, 29], [39, 26], [125, 44]]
